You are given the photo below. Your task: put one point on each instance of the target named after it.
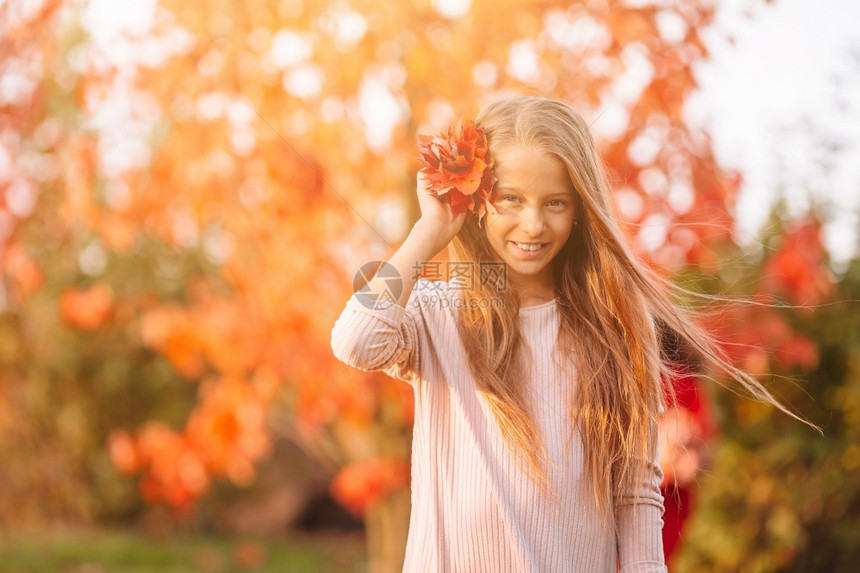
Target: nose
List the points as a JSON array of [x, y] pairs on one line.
[[531, 221]]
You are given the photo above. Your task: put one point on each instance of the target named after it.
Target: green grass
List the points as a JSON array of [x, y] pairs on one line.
[[120, 552]]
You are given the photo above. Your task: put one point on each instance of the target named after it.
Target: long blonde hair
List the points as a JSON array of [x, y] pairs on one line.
[[615, 313]]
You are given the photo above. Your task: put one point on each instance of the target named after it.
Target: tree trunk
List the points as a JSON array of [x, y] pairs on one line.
[[386, 526]]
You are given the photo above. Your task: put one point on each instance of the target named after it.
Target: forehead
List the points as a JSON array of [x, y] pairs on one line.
[[522, 168]]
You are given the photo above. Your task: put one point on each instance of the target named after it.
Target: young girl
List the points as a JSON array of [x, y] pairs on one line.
[[537, 392]]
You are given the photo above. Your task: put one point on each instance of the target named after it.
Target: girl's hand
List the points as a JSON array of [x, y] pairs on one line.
[[436, 218]]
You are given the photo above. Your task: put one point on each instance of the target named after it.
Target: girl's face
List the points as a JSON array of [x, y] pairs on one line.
[[536, 204]]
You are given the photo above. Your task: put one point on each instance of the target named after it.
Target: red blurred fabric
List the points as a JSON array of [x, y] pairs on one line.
[[679, 500]]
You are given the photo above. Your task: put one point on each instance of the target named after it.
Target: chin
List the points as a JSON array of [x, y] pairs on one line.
[[527, 269]]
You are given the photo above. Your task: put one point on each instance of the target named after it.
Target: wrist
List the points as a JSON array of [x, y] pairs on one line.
[[428, 233], [427, 227], [427, 230]]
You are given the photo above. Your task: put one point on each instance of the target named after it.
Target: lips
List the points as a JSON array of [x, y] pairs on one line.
[[525, 252]]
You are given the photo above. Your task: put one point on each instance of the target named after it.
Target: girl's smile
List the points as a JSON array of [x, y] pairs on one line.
[[529, 250]]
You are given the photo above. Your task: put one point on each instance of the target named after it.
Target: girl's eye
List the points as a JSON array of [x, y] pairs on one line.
[[516, 198]]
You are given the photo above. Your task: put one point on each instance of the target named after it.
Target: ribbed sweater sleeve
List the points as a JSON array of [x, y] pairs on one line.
[[386, 338], [640, 519]]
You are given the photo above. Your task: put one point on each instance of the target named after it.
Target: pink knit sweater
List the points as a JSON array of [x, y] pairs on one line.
[[473, 509]]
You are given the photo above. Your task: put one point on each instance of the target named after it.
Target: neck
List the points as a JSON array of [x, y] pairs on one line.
[[539, 287], [533, 295]]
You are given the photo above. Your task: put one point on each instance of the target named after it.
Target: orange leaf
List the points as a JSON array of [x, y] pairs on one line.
[[457, 167], [361, 485], [86, 309]]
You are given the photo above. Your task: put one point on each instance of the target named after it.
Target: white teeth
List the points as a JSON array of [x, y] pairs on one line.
[[527, 247]]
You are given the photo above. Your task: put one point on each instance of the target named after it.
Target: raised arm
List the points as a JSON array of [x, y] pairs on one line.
[[388, 338], [432, 233]]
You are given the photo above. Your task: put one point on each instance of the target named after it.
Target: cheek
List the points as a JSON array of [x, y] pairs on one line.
[[562, 226], [496, 237], [495, 229]]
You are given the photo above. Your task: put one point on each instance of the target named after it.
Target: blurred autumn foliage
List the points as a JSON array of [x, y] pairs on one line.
[[182, 211], [778, 498]]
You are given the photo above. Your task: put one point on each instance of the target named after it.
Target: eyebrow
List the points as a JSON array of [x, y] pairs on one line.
[[567, 194]]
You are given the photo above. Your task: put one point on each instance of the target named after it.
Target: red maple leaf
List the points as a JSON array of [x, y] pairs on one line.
[[458, 168]]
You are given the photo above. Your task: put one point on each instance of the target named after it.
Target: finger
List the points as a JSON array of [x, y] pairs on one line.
[[422, 180]]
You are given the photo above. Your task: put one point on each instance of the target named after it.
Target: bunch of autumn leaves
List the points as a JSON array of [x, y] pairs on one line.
[[458, 169]]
